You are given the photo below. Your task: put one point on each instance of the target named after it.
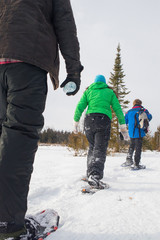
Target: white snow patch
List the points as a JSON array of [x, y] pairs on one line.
[[129, 210]]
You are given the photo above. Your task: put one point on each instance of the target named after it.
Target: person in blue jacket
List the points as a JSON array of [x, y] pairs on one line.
[[136, 134]]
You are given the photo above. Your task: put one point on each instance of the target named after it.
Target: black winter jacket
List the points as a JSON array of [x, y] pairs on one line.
[[33, 30]]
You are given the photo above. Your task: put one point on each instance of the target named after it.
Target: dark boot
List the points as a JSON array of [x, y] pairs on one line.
[[129, 160], [11, 230]]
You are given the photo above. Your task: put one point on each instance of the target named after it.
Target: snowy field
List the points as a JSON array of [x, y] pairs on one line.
[[129, 210]]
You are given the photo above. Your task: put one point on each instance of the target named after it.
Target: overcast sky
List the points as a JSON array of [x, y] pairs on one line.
[[101, 25]]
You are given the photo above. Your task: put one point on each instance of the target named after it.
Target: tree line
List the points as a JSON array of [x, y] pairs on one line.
[[52, 136], [79, 143]]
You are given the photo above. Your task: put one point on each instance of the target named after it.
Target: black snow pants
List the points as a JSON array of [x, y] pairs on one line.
[[23, 89], [97, 130], [135, 145]]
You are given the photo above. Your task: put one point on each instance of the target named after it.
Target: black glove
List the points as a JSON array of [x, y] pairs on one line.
[[72, 78]]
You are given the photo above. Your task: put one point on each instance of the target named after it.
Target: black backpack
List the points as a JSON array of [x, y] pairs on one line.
[[141, 121]]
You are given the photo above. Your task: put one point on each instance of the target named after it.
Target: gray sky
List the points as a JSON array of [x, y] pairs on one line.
[[101, 25]]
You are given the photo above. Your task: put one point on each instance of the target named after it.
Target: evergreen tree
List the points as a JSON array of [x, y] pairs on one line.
[[117, 83]]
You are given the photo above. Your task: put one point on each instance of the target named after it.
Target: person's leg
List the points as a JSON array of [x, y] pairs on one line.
[[3, 97], [89, 131], [129, 158], [138, 150], [131, 150], [101, 138], [26, 87]]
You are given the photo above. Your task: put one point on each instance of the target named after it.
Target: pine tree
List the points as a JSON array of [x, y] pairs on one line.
[[117, 83]]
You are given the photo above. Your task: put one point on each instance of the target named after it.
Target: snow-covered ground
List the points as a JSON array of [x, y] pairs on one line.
[[129, 210]]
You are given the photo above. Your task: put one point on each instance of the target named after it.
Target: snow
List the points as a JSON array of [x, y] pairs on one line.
[[128, 210]]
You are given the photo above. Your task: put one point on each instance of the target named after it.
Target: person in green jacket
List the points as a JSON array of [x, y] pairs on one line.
[[99, 98]]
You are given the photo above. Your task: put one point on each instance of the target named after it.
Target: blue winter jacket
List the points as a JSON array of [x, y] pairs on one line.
[[130, 121]]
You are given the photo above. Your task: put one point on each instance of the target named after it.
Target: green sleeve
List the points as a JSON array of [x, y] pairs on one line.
[[117, 109], [80, 107]]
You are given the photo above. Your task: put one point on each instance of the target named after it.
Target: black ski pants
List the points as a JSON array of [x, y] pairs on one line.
[[97, 130], [135, 145], [23, 89]]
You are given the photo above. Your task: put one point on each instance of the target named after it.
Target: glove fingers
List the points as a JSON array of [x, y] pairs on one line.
[[72, 93], [67, 81], [62, 85]]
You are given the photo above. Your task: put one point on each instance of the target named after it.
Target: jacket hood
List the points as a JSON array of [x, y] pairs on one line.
[[98, 85]]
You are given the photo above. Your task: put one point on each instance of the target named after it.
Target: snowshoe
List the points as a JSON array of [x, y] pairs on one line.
[[91, 189], [94, 184], [85, 179], [39, 226], [137, 167], [128, 163], [88, 190]]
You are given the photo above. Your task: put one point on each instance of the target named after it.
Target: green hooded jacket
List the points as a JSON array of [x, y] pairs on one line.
[[99, 99]]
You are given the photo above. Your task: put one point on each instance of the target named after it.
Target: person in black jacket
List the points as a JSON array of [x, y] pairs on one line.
[[31, 32]]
